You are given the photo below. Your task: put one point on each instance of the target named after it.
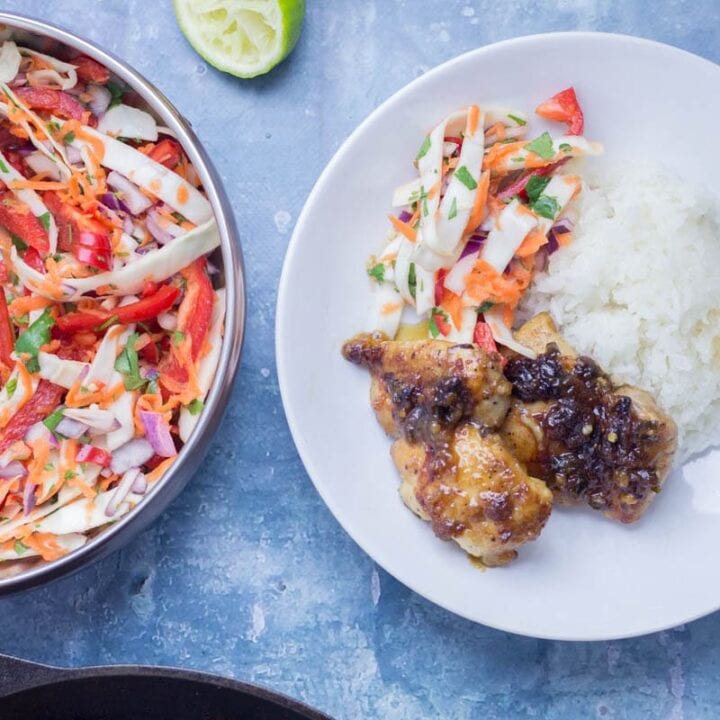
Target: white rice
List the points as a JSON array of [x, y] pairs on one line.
[[639, 291]]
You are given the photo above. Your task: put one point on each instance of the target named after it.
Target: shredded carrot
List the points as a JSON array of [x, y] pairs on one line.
[[45, 544], [182, 194], [35, 185], [532, 243], [390, 307], [485, 283], [481, 197], [403, 228], [159, 471], [563, 239], [452, 304], [472, 119], [25, 303], [496, 155]]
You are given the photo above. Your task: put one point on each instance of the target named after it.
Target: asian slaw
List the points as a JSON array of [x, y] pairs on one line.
[[486, 208], [110, 327]]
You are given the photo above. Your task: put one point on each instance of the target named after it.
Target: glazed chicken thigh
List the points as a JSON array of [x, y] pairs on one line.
[[441, 402]]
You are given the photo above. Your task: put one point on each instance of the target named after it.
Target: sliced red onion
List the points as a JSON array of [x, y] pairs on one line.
[[132, 197], [156, 230], [13, 469], [29, 497], [26, 149], [145, 249], [38, 431], [132, 454], [563, 225], [149, 373], [74, 155], [100, 99], [106, 472], [404, 216], [127, 225], [122, 490], [140, 485], [167, 321], [70, 428], [158, 433], [113, 202], [473, 244]]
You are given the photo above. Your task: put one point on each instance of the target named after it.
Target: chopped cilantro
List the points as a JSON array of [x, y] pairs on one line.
[[412, 280], [546, 206], [422, 152], [11, 386], [45, 220], [517, 159], [69, 475], [542, 146], [453, 209], [377, 272], [195, 407], [4, 167], [177, 337], [69, 138], [485, 307], [20, 548], [116, 93], [37, 335], [127, 364], [49, 467], [464, 176], [535, 186], [517, 120], [179, 217], [18, 242], [565, 147], [52, 420]]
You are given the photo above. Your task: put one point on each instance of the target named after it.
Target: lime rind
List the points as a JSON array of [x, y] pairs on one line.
[[246, 38]]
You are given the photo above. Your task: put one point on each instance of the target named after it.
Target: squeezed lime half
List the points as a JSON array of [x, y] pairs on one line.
[[246, 38]]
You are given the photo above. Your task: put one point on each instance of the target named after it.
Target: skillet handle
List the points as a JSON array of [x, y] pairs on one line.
[[16, 675]]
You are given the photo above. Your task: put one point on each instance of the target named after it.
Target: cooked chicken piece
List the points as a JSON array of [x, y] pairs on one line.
[[441, 401], [610, 447], [476, 493], [423, 387]]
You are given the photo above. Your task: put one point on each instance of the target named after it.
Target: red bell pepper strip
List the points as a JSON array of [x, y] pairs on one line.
[[563, 107], [439, 318], [518, 186], [89, 70], [484, 338], [33, 259], [46, 399], [149, 307], [73, 322], [194, 315], [440, 286], [93, 249], [7, 336], [90, 453], [19, 220], [167, 152], [57, 101]]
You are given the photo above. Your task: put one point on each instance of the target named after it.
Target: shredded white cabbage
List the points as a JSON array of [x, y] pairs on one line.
[[130, 122]]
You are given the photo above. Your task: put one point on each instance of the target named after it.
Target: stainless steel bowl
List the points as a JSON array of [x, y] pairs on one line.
[[54, 40]]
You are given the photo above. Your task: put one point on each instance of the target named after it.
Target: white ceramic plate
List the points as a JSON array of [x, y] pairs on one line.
[[586, 577]]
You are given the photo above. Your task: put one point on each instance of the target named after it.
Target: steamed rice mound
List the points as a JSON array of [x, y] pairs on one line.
[[638, 290]]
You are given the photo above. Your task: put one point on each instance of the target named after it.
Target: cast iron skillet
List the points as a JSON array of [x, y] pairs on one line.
[[29, 691]]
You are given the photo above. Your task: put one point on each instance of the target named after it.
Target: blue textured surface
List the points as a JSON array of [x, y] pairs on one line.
[[247, 574]]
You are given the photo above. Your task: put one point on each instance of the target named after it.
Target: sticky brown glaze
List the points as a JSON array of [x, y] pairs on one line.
[[594, 446]]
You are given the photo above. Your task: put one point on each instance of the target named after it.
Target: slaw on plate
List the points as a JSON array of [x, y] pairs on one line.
[[110, 327], [486, 208]]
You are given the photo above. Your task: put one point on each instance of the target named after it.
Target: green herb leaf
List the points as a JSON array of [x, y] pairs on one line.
[[45, 220], [179, 217], [18, 242], [487, 305], [4, 167], [69, 475], [422, 152], [116, 93], [565, 147], [196, 406], [377, 272], [20, 548], [177, 337], [412, 280], [11, 386], [37, 335], [52, 420], [464, 176], [535, 186], [453, 210], [546, 206], [69, 138], [542, 146], [127, 364], [517, 120], [517, 159], [110, 321]]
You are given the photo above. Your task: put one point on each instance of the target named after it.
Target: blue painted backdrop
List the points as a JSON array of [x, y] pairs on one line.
[[248, 574]]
